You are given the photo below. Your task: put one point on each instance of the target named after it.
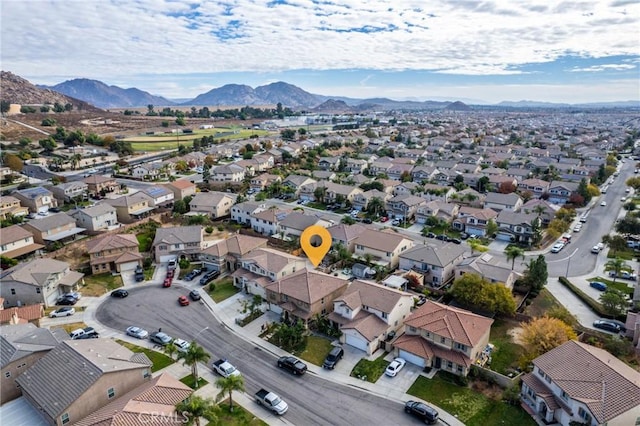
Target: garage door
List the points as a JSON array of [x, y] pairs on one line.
[[504, 237], [413, 359], [128, 266], [167, 258], [357, 342]]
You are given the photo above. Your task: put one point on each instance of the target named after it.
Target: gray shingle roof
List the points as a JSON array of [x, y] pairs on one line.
[[20, 340], [437, 256]]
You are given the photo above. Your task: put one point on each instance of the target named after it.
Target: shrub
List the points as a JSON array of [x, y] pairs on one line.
[[184, 263], [147, 262], [594, 305], [208, 229]]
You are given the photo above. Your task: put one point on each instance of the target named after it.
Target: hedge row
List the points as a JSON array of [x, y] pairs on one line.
[[594, 305]]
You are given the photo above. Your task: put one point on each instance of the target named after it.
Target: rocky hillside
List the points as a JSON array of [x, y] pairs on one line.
[[239, 94], [17, 90], [334, 107]]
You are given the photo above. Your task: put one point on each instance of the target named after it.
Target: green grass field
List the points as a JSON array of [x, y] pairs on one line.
[[169, 141]]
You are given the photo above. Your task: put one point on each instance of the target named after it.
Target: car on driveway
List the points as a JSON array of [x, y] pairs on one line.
[[557, 248], [183, 301], [422, 411], [608, 325], [181, 345], [137, 332], [62, 312], [160, 338], [191, 275], [335, 355], [395, 222], [394, 368], [211, 275], [598, 285], [66, 300], [194, 295], [121, 293]]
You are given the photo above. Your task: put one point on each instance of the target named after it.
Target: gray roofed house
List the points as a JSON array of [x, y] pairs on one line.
[[98, 218], [516, 226], [132, 207], [241, 212], [486, 266], [215, 204], [68, 191], [16, 241], [78, 377], [295, 223], [38, 281], [435, 261], [225, 255], [37, 199], [59, 227], [383, 246], [296, 182], [345, 234], [21, 345], [178, 241], [265, 262], [499, 202]]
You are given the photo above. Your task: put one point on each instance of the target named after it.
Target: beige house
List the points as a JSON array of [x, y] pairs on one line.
[[16, 242], [10, 206], [38, 281], [231, 173], [23, 345], [181, 242], [443, 337], [384, 247], [489, 269], [95, 373], [436, 262], [305, 294], [258, 183], [263, 266], [114, 253], [37, 199], [345, 235], [130, 208], [225, 255], [100, 185], [181, 189], [214, 204], [53, 228], [368, 313]]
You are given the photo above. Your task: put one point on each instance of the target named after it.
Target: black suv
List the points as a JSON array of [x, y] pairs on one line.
[[421, 411], [209, 276], [139, 274], [334, 356], [292, 364]]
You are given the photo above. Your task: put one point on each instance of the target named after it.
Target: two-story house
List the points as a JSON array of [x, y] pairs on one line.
[[159, 196], [436, 262], [231, 173], [23, 345], [258, 183], [404, 207], [383, 247], [296, 182], [498, 202], [17, 242], [58, 227], [537, 187], [517, 226], [38, 281], [345, 235], [213, 204], [560, 192], [489, 269], [114, 253], [99, 186], [336, 192], [443, 337], [262, 266], [436, 208], [267, 222], [576, 383], [97, 371], [542, 208], [329, 163], [181, 242], [304, 295], [130, 208], [69, 191], [361, 200], [225, 255], [368, 312], [241, 212], [181, 188], [474, 221], [37, 199], [356, 165], [294, 224], [11, 207], [98, 218]]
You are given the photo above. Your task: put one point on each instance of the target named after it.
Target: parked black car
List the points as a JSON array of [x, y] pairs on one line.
[[292, 364], [191, 275], [608, 325], [139, 274], [121, 293], [422, 411], [367, 220], [334, 356], [455, 241], [212, 275], [66, 301]]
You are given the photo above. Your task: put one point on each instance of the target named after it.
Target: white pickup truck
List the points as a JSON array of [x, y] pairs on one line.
[[224, 368], [271, 401]]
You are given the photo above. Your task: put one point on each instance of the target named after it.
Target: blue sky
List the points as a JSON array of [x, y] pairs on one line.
[[573, 51]]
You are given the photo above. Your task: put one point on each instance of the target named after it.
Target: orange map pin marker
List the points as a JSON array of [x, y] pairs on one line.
[[316, 242]]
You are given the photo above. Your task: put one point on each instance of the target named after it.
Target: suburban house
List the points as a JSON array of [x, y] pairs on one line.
[[214, 204], [54, 228], [231, 173], [536, 186], [296, 182], [241, 212], [474, 221], [576, 383], [69, 191], [98, 218], [295, 223], [37, 199], [305, 294], [404, 207], [325, 175], [147, 404], [384, 247], [182, 242], [443, 337], [38, 281], [436, 208], [130, 208], [544, 209], [361, 201], [516, 226], [98, 185], [114, 253], [97, 371], [10, 206], [22, 345], [159, 195], [436, 262], [181, 189], [153, 171], [329, 163], [486, 266], [560, 192], [258, 183], [367, 314], [16, 242], [356, 165], [263, 266], [20, 314], [267, 222], [499, 202], [336, 193], [225, 255], [345, 235]]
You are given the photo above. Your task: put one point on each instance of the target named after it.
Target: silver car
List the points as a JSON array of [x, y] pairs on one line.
[[160, 338], [137, 332]]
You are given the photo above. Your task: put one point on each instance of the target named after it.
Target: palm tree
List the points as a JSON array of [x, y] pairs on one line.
[[195, 407], [375, 206], [227, 385], [192, 357], [512, 253], [368, 257], [170, 350], [616, 265]]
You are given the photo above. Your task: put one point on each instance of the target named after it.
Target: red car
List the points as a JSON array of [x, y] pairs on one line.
[[170, 274], [167, 282], [183, 301], [384, 219]]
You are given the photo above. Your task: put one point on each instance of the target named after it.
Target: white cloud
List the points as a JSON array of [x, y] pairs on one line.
[[604, 67]]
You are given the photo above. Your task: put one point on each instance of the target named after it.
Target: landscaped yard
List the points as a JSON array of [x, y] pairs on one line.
[[185, 271], [370, 370], [145, 239], [317, 350], [158, 359], [188, 380], [238, 417], [470, 407], [620, 284], [223, 289], [506, 353], [71, 326], [97, 285]]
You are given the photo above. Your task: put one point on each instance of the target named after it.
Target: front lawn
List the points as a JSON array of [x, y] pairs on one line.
[[620, 285], [238, 417], [145, 239], [71, 326], [317, 350], [158, 359], [185, 271], [370, 370], [505, 355], [222, 289], [189, 381], [470, 407], [97, 285]]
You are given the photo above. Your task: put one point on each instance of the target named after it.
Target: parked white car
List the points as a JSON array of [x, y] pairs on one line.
[[557, 247], [137, 332], [182, 345], [62, 312], [394, 368]]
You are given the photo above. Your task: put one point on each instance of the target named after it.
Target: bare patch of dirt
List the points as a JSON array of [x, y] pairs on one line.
[[490, 391], [515, 334]]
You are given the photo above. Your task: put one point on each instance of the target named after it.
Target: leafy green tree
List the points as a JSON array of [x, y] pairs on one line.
[[170, 350], [7, 262], [512, 253], [194, 355], [180, 121], [616, 265], [613, 302], [195, 407], [227, 385], [477, 246], [473, 290], [13, 162], [536, 275], [348, 220], [492, 227]]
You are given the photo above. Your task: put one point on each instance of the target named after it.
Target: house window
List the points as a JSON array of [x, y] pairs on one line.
[[38, 290], [584, 415], [565, 396], [459, 369], [146, 373], [65, 418], [461, 347], [7, 374], [13, 291], [111, 393], [449, 365], [412, 329], [442, 340], [385, 315]]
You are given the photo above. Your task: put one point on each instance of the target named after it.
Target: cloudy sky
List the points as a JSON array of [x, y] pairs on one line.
[[556, 51]]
